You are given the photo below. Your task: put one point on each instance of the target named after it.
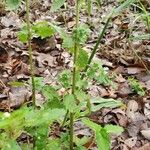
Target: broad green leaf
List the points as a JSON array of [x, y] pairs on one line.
[[12, 4], [14, 119], [98, 103], [54, 144], [40, 117], [41, 134], [82, 59], [94, 126], [11, 145], [113, 129], [23, 35], [70, 103], [43, 29], [81, 95], [102, 140], [57, 4]]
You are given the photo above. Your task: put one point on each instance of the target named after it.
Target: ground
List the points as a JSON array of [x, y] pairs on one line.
[[121, 56]]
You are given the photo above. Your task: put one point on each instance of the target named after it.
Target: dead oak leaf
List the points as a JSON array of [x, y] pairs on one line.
[[45, 60]]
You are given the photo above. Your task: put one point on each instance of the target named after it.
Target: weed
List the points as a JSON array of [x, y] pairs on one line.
[[136, 86], [73, 104]]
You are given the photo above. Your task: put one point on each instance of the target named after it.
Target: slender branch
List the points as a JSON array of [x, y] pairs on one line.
[[30, 50], [76, 48], [96, 46]]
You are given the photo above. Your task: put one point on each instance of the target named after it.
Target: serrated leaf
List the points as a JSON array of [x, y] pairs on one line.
[[23, 36], [94, 126], [102, 140], [98, 103], [57, 4], [70, 103], [80, 34], [113, 129], [65, 79], [43, 29], [12, 4], [49, 92], [82, 59]]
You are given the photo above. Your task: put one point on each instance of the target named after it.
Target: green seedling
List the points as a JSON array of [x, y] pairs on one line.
[[136, 86]]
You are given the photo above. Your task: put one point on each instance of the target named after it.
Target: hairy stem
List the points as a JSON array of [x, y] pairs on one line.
[[76, 48], [30, 49], [96, 46]]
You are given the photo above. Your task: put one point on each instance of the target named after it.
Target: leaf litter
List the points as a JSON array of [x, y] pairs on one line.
[[51, 59]]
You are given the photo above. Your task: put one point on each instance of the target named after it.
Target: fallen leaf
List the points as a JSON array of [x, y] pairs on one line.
[[131, 142], [146, 133]]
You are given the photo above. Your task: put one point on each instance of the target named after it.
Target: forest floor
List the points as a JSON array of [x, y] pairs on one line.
[[121, 57]]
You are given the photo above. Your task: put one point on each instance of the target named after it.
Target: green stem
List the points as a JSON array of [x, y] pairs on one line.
[[76, 48], [30, 50], [65, 118], [90, 59], [96, 46]]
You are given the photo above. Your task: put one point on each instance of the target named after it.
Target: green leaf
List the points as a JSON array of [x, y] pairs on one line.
[[81, 95], [80, 34], [123, 6], [82, 59], [41, 136], [43, 29], [65, 78], [57, 4], [113, 129], [102, 140], [40, 117], [11, 145], [12, 4], [49, 92], [98, 103], [70, 103], [16, 84], [39, 83], [94, 126], [54, 144], [23, 35], [68, 42]]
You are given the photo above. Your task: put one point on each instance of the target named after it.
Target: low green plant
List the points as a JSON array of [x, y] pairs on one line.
[[73, 104], [136, 86]]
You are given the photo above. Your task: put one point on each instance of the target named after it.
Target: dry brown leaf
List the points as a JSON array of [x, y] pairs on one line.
[[131, 142], [146, 133]]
